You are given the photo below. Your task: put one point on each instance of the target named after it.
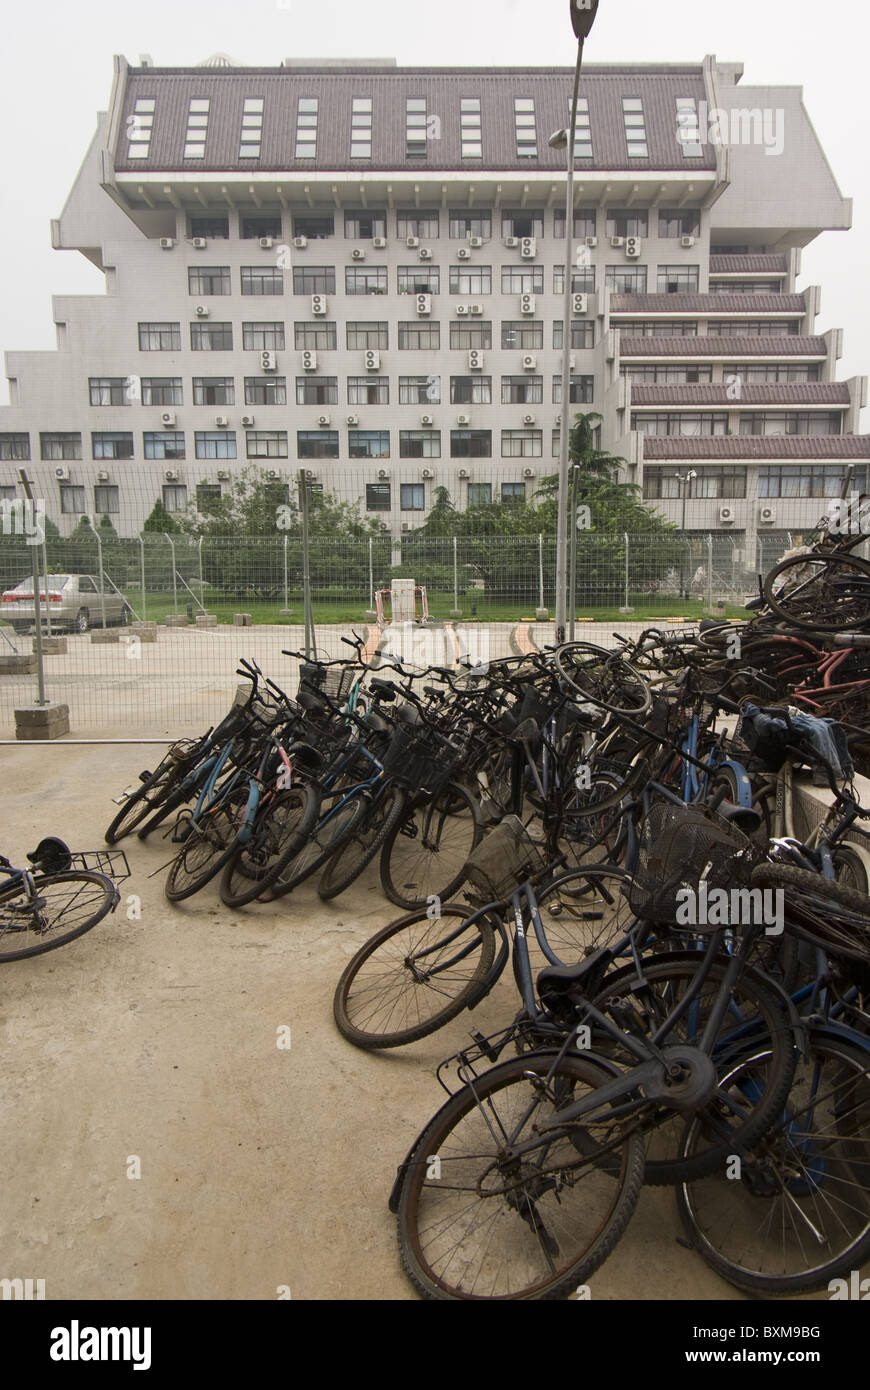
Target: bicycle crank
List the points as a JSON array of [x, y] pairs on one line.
[[685, 1082]]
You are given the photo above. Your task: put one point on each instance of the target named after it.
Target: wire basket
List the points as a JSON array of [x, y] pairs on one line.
[[112, 863], [506, 858], [416, 762], [331, 681], [680, 848]]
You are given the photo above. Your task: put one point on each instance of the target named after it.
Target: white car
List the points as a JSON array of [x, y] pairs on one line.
[[72, 601]]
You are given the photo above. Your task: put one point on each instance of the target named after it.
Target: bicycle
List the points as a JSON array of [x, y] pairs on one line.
[[42, 910]]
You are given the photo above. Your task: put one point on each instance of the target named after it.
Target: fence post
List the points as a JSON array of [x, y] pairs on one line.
[[37, 626], [626, 540], [541, 608], [174, 579], [306, 570], [100, 567], [286, 598], [455, 577], [572, 604], [199, 550], [47, 604], [710, 570], [142, 574], [371, 578]]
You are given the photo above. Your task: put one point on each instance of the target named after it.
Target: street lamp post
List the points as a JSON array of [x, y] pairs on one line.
[[685, 480], [583, 14]]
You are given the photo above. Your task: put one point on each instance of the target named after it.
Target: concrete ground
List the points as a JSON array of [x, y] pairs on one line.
[[154, 1038]]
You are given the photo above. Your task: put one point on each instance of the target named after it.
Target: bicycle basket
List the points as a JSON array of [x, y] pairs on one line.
[[683, 848], [415, 762], [505, 859]]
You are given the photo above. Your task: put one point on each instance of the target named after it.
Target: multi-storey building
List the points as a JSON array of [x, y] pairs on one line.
[[359, 269]]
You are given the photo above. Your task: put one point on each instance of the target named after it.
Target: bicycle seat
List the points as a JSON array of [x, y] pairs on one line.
[[306, 755], [381, 689], [51, 856], [555, 981]]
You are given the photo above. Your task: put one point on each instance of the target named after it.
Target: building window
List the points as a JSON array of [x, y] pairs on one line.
[[215, 444], [139, 128], [525, 444], [522, 390], [635, 128], [58, 447], [626, 279], [415, 127], [471, 444], [159, 337], [262, 279], [697, 424], [363, 225], [411, 222], [359, 280], [315, 228], [260, 337], [72, 501], [317, 444], [265, 390], [306, 131], [211, 337], [469, 126], [678, 279], [792, 422], [266, 444], [523, 222], [471, 390], [582, 333], [418, 337], [412, 497], [463, 222], [163, 444], [667, 376], [524, 126], [581, 390], [582, 279], [175, 497], [522, 334], [208, 279], [521, 279], [657, 328], [663, 484], [746, 287], [314, 279], [161, 390], [367, 390], [419, 390], [582, 131], [362, 335], [361, 129], [214, 390], [208, 495], [677, 222], [315, 335], [111, 444], [424, 279], [585, 222], [479, 494], [807, 480], [774, 371], [419, 444], [255, 225], [108, 390], [752, 328], [211, 228], [471, 279], [378, 497], [106, 500], [513, 492], [688, 130], [197, 128], [475, 334], [15, 448], [317, 390], [627, 222], [368, 444], [252, 128]]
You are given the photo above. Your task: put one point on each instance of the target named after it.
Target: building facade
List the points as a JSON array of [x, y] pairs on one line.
[[359, 269]]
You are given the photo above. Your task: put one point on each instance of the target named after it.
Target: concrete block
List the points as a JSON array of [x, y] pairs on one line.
[[17, 664], [243, 620], [456, 613], [52, 646], [104, 635], [146, 632], [206, 620], [542, 614], [176, 620], [41, 721]]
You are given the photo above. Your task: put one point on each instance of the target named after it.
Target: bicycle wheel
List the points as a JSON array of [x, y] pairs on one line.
[[580, 912], [798, 1213], [412, 977], [154, 790], [424, 854], [478, 1222], [211, 842], [330, 832], [739, 1111], [63, 907], [603, 678], [278, 834], [360, 846], [828, 593]]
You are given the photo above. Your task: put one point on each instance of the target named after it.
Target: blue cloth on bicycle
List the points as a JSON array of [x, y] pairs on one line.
[[769, 738]]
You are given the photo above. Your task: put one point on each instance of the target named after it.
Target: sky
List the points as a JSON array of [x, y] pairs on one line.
[[56, 73]]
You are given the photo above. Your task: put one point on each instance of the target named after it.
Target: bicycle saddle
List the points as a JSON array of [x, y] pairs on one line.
[[51, 856], [555, 981]]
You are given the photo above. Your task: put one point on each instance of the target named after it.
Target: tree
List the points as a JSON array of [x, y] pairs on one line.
[[160, 521]]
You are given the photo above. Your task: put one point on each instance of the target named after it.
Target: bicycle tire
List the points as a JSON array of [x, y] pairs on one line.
[[67, 905], [414, 871], [813, 1167], [210, 844], [358, 849], [277, 835], [811, 593], [616, 669], [356, 998], [326, 839], [516, 1243], [153, 792]]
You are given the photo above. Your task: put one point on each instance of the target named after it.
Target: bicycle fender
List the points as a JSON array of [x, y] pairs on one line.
[[744, 785]]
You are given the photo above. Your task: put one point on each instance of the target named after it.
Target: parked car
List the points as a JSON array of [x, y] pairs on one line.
[[72, 601]]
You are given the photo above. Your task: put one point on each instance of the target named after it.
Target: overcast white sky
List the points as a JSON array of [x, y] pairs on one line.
[[56, 72]]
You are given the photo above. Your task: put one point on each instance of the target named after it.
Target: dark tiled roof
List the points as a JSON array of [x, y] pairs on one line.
[[748, 265], [720, 305], [717, 393], [658, 88], [787, 346], [759, 446]]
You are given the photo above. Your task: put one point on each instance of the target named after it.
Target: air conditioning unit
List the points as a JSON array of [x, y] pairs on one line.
[[199, 243], [383, 474], [528, 247], [309, 361], [171, 475], [529, 473], [616, 241], [463, 420], [425, 253], [726, 515], [427, 419], [221, 421], [427, 472], [310, 475], [352, 420], [201, 311], [379, 242], [633, 247], [476, 309], [687, 241], [167, 243], [266, 243], [529, 419], [319, 304], [412, 241], [223, 475], [248, 422], [579, 304], [357, 254], [462, 309], [102, 476], [464, 253], [300, 242], [475, 241], [530, 363], [268, 361], [591, 241], [527, 303], [424, 303], [475, 360], [372, 360], [512, 242], [167, 419], [767, 515], [61, 474], [273, 474], [463, 473], [323, 419]]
